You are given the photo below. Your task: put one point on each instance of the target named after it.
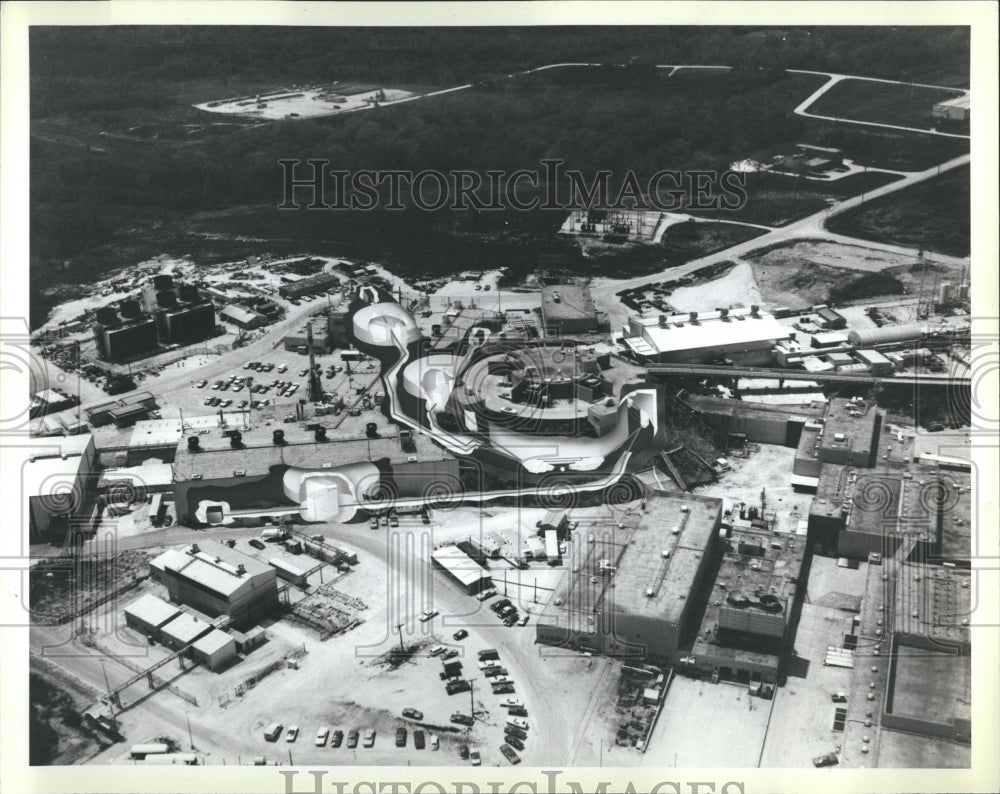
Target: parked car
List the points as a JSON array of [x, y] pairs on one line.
[[829, 759], [202, 384], [461, 719], [461, 685], [352, 738], [401, 737], [510, 730], [369, 740], [518, 723], [437, 650], [474, 758], [523, 621], [517, 711], [449, 654], [273, 731], [511, 702], [503, 689], [337, 739], [463, 751], [418, 739], [256, 544], [461, 634], [321, 736], [427, 614], [293, 733], [509, 754], [513, 741], [413, 714]]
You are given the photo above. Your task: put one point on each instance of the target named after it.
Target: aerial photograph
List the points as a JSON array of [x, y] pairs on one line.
[[556, 396]]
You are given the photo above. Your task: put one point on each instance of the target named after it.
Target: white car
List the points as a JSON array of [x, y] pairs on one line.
[[517, 722], [434, 741], [511, 702], [428, 614], [321, 736], [293, 733]]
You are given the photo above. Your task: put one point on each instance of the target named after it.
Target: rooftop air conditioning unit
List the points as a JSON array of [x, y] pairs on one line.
[[196, 476], [240, 473]]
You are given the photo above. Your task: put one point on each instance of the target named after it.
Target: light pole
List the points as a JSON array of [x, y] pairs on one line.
[[187, 715], [399, 628], [472, 701]]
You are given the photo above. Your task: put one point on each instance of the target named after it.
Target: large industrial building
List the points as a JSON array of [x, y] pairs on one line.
[[310, 285], [632, 591], [743, 336], [251, 480], [56, 481], [165, 314], [956, 109], [217, 580], [568, 309], [747, 623], [122, 412], [124, 333]]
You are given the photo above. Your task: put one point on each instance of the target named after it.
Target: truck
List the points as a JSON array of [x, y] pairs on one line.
[[552, 547]]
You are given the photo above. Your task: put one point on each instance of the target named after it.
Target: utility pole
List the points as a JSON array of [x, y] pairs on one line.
[[187, 715], [472, 700]]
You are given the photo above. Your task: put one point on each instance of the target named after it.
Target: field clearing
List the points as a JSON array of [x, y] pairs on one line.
[[934, 215], [885, 103], [807, 272]]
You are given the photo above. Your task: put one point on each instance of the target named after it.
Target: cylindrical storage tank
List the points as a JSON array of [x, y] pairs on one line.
[[166, 299], [163, 282], [107, 315], [866, 337], [189, 293], [131, 309]]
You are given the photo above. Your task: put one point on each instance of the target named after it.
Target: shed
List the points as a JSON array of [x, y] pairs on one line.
[[148, 614], [215, 649], [184, 630]]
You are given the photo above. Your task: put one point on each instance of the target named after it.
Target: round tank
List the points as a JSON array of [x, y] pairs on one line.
[[131, 309], [887, 334], [166, 299], [161, 283], [107, 315], [188, 293]]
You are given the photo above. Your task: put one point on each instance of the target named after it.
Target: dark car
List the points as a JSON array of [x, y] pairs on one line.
[[511, 730], [461, 634], [463, 751], [510, 621], [461, 719], [337, 739], [826, 760], [454, 687], [503, 689], [256, 544], [513, 741], [352, 738], [413, 714], [400, 737], [517, 711], [418, 739], [509, 754]]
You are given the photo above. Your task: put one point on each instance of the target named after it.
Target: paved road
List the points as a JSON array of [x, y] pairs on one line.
[[812, 227], [802, 109]]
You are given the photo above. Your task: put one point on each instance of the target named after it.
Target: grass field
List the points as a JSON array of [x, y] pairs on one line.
[[886, 103], [934, 215]]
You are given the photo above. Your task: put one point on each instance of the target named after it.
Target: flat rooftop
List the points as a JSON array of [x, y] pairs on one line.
[[185, 628], [219, 460], [932, 601], [931, 685], [567, 302], [857, 431], [679, 333], [152, 609], [759, 563], [657, 550]]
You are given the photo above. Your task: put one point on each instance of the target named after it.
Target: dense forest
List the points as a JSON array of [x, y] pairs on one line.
[[111, 112]]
